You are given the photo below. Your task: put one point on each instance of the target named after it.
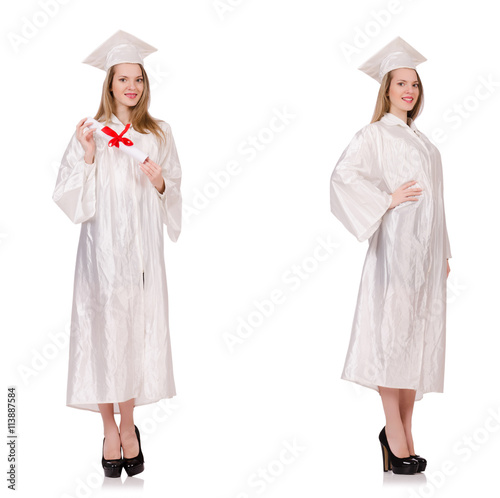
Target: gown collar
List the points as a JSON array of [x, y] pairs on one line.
[[391, 119]]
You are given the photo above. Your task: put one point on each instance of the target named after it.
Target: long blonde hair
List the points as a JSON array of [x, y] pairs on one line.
[[383, 103], [140, 118]]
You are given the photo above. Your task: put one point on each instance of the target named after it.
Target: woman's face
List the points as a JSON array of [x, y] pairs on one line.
[[128, 84], [403, 90]]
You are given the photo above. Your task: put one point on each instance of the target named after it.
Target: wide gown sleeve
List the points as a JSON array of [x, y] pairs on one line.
[[355, 198], [171, 199], [447, 245], [447, 248], [75, 190]]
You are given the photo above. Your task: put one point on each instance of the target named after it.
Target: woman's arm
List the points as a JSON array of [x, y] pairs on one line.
[[154, 173], [166, 177], [75, 190], [355, 198]]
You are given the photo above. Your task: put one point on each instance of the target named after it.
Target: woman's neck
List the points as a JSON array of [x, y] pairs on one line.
[[123, 114], [402, 115]]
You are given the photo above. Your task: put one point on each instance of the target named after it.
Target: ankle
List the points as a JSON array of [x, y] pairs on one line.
[[407, 428], [127, 429], [409, 440], [110, 432], [395, 431], [397, 442]]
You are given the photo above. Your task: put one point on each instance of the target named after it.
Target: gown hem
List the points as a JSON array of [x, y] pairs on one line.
[[93, 406], [374, 386]]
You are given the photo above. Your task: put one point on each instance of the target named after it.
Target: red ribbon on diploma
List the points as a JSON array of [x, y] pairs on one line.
[[115, 141]]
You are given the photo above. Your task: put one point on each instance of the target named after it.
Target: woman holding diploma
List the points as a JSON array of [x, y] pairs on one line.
[[387, 187], [120, 354]]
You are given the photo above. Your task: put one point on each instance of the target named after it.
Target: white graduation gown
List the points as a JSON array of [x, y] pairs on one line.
[[398, 332], [119, 340]]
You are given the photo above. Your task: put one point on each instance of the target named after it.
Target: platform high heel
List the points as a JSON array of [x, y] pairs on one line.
[[135, 465], [406, 465], [422, 462], [112, 468]]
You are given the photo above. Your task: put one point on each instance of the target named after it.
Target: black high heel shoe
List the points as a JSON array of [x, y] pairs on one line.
[[135, 465], [112, 468], [406, 465], [422, 462]]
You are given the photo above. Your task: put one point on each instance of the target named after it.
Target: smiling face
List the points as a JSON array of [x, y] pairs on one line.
[[403, 92], [127, 85]]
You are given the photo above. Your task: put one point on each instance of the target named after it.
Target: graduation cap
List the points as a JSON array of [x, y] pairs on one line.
[[119, 48], [394, 55]]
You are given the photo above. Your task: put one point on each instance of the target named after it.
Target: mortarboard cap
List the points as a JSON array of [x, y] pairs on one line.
[[394, 55], [121, 47]]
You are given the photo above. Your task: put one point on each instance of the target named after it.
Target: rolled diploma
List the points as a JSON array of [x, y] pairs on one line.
[[131, 150]]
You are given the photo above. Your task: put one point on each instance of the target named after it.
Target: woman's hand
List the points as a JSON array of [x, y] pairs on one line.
[[153, 172], [448, 268], [405, 193], [86, 138]]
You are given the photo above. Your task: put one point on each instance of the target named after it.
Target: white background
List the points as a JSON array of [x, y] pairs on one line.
[[219, 77]]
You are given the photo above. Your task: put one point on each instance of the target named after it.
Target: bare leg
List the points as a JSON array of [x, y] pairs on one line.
[[394, 428], [128, 438], [112, 441], [406, 403]]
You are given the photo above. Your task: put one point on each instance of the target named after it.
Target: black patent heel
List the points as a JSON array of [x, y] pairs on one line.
[[406, 465], [385, 458], [112, 468], [135, 465]]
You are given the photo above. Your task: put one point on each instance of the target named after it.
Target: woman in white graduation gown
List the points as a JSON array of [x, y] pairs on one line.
[[387, 187], [120, 353]]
